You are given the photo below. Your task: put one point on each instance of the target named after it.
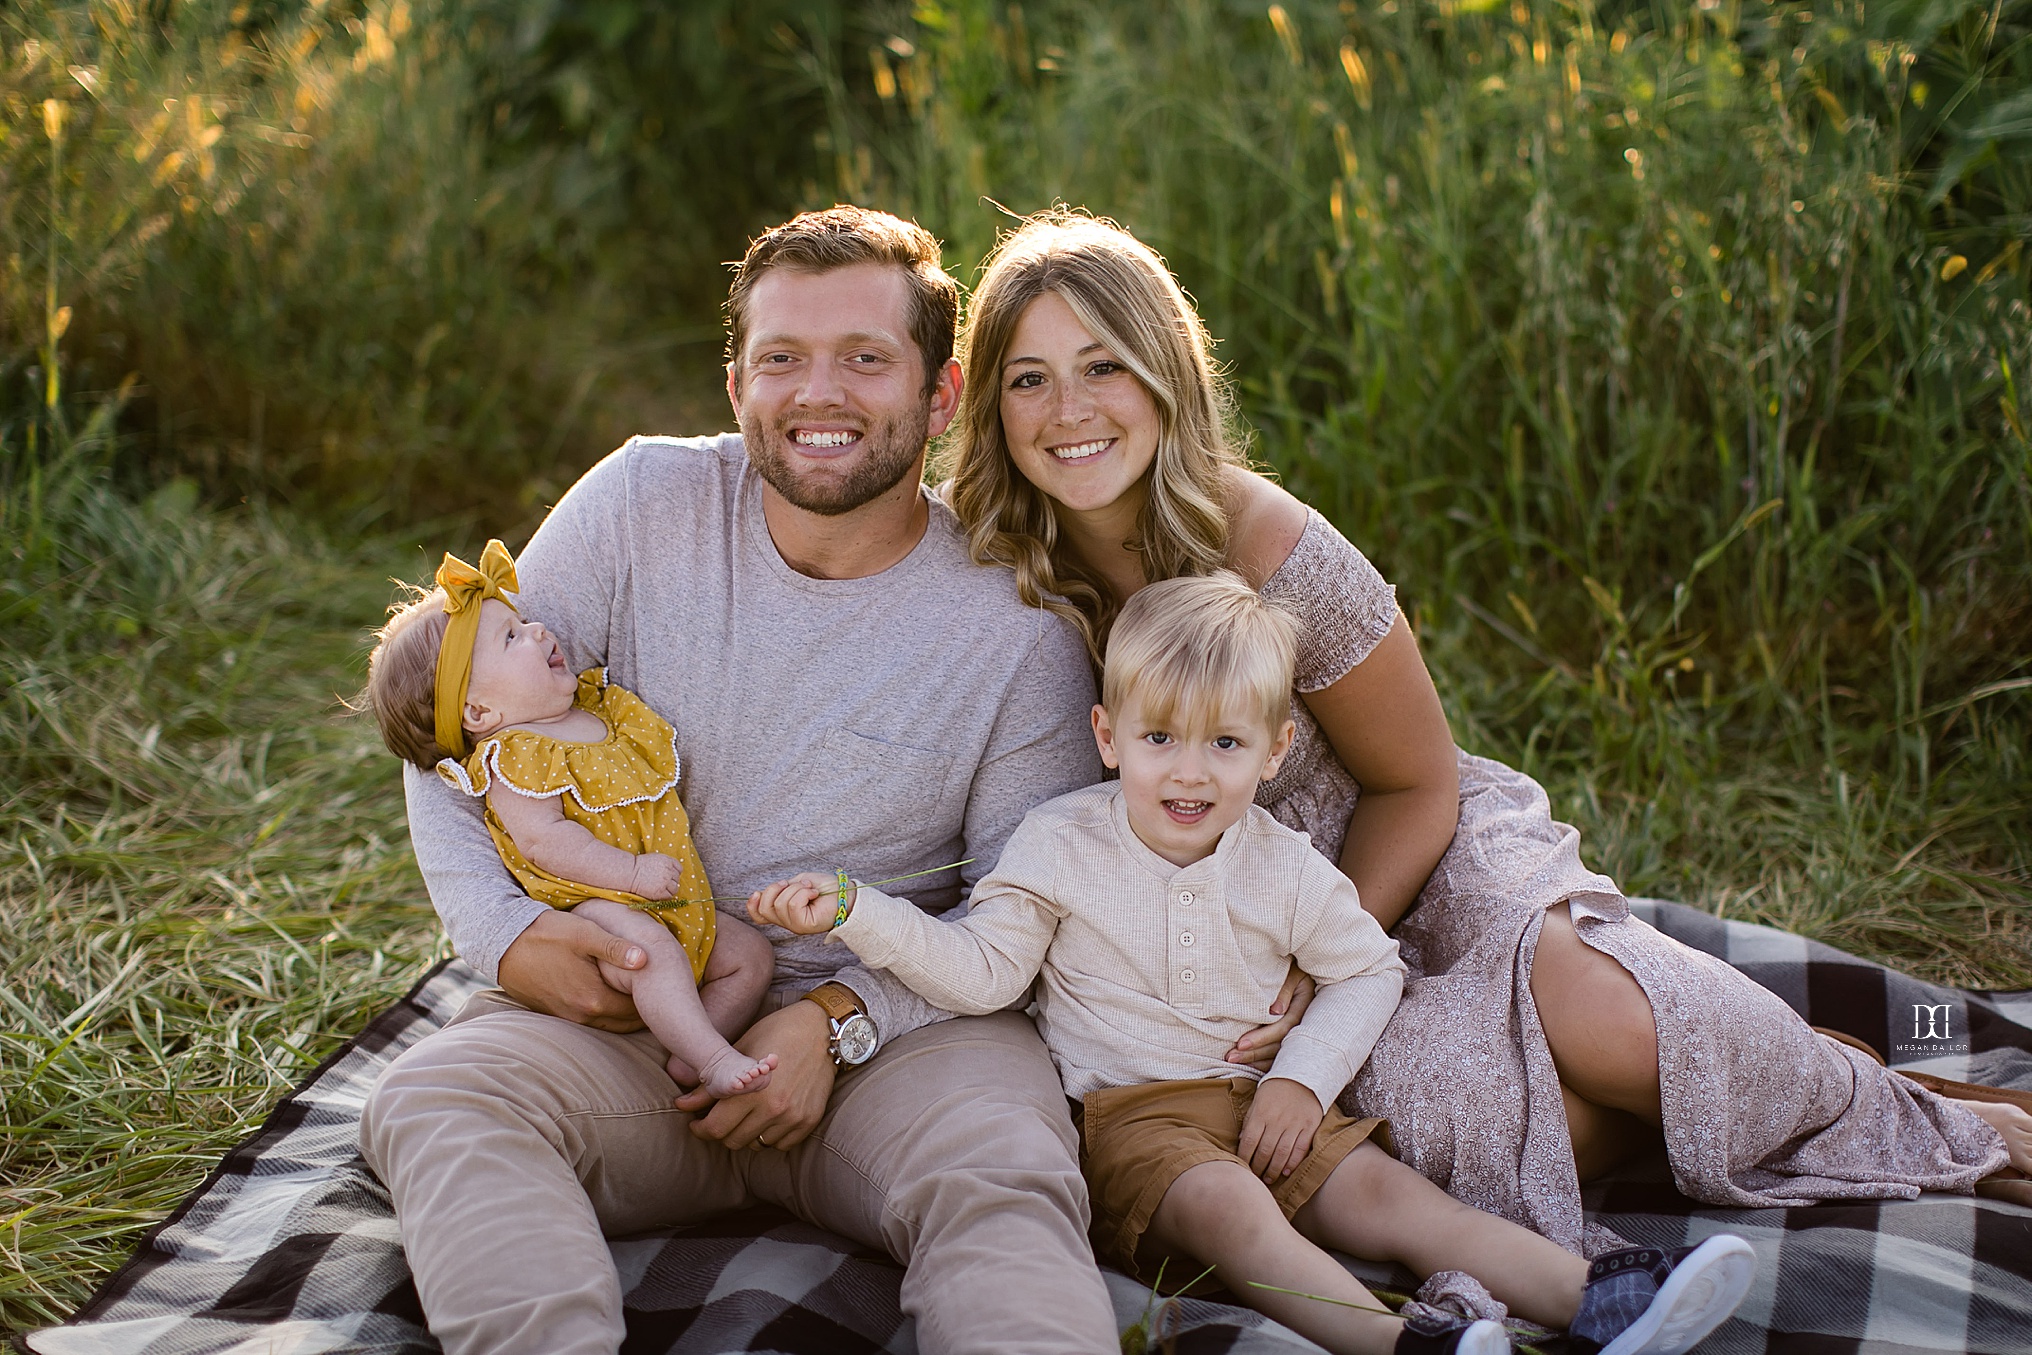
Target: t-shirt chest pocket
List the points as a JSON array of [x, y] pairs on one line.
[[865, 791]]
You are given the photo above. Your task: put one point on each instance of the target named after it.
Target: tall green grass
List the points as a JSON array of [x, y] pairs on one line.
[[1671, 358], [1668, 356], [205, 882]]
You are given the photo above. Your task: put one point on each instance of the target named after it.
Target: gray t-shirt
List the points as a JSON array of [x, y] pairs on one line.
[[882, 725]]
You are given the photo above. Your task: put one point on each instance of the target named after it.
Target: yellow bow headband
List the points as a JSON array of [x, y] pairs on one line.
[[465, 589]]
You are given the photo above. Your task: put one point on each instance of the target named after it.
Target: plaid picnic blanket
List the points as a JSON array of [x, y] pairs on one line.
[[290, 1245]]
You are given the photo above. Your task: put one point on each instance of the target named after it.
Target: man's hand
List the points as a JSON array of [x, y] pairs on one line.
[[554, 967], [803, 904], [1258, 1048], [1278, 1132], [783, 1113], [657, 876]]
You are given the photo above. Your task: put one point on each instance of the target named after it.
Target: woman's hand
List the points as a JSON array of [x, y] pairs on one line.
[[1278, 1132], [1258, 1048], [803, 904]]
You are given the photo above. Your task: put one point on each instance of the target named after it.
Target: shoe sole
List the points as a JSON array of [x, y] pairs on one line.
[[1484, 1338], [1697, 1297]]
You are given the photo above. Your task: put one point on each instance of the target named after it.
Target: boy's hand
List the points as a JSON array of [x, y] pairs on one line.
[[1278, 1132], [803, 904], [657, 876]]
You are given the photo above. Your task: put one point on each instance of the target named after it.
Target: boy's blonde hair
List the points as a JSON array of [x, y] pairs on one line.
[[402, 678], [1188, 648]]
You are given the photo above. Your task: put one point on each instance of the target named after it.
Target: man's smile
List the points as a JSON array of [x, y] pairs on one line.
[[824, 439]]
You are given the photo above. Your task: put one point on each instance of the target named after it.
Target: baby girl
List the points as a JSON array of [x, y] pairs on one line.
[[580, 780]]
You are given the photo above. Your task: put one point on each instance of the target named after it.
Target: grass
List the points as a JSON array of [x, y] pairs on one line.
[[205, 882], [1671, 358]]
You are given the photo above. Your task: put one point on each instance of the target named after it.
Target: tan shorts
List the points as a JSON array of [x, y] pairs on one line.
[[1136, 1141]]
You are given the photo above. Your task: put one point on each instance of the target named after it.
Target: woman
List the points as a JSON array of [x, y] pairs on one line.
[[1093, 454]]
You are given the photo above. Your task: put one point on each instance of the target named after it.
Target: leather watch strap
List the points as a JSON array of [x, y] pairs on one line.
[[836, 1000]]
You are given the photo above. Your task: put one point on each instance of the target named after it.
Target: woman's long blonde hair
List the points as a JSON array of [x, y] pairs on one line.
[[1125, 296]]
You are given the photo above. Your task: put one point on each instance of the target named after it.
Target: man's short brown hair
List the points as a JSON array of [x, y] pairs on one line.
[[840, 237]]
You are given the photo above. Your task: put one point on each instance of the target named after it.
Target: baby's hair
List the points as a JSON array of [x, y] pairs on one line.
[[402, 677], [1188, 648]]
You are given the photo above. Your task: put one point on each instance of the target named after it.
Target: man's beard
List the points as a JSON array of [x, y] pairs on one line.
[[889, 452]]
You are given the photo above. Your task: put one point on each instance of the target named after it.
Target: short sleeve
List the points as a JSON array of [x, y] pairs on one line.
[[1346, 605]]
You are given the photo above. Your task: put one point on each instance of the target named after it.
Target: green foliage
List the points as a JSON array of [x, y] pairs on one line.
[[390, 255], [205, 883], [1671, 357], [1663, 354]]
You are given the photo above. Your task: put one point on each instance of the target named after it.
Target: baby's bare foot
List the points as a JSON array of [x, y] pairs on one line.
[[2013, 1123], [730, 1072]]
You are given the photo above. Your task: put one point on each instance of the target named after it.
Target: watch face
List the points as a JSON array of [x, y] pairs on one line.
[[856, 1040]]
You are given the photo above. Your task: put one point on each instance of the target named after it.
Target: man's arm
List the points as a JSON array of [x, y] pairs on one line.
[[546, 959], [1041, 747], [571, 572]]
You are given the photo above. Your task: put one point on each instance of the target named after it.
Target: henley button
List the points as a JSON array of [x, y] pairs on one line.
[[1187, 975], [1185, 897], [1185, 938]]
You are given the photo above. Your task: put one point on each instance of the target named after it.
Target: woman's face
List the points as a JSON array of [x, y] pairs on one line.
[[1078, 423]]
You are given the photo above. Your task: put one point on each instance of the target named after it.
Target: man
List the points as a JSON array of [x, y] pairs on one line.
[[848, 691]]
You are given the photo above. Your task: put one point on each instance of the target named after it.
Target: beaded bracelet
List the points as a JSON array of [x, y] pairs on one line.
[[844, 885]]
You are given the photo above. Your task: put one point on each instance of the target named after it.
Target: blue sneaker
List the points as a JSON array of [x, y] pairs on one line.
[[1648, 1301], [1448, 1335]]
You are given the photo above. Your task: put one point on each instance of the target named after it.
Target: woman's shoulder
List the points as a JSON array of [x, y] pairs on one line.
[[1265, 523]]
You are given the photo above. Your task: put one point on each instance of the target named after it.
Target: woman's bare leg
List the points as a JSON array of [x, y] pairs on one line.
[[1603, 1139], [2013, 1123], [1222, 1214], [1604, 1042], [1375, 1207]]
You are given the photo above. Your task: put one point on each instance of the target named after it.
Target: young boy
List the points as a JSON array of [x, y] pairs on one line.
[[1162, 911]]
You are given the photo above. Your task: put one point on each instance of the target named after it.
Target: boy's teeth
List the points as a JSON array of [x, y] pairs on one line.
[[807, 439], [1079, 450]]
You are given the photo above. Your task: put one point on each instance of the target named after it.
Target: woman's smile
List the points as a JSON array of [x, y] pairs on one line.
[[1082, 451], [1079, 424]]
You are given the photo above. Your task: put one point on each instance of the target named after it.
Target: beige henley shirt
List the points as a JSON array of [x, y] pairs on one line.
[[1151, 971]]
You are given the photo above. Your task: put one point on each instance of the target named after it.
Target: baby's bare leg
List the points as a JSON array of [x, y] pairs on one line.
[[737, 975], [1221, 1213], [669, 1003], [1375, 1207]]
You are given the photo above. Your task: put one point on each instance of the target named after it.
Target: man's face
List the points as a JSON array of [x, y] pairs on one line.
[[829, 386]]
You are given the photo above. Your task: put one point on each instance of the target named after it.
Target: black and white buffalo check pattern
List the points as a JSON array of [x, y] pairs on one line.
[[289, 1248]]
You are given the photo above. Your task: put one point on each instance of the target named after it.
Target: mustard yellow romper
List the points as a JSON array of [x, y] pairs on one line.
[[623, 788]]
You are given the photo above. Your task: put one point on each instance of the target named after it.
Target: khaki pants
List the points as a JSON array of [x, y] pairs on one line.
[[516, 1143]]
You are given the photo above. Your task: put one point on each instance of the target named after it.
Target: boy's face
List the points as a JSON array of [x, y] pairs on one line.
[[1186, 782]]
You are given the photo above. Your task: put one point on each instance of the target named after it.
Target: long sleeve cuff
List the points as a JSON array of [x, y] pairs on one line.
[[1333, 1041], [893, 1006], [1317, 1065], [874, 930]]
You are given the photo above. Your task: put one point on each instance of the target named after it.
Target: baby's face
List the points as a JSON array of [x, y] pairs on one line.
[[519, 673], [1186, 782]]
